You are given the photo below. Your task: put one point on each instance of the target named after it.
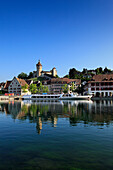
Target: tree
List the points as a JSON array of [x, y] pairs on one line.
[[73, 72], [66, 76], [42, 88], [65, 88], [30, 75], [72, 87], [23, 75], [106, 70], [33, 88], [99, 70], [25, 88], [57, 76]]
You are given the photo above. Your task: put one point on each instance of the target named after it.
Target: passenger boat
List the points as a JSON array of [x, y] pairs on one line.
[[75, 97], [56, 97]]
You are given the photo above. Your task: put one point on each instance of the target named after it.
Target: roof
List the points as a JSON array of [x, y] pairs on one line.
[[22, 82], [7, 84], [39, 64], [102, 78], [65, 80]]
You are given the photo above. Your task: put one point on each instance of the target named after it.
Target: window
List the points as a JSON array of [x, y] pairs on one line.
[[97, 84], [92, 84]]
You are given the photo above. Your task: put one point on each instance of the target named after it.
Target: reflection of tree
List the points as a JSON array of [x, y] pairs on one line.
[[93, 114]]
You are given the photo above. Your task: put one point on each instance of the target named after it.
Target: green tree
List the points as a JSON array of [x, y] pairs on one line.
[[23, 75], [33, 88], [66, 76], [25, 88], [42, 88], [57, 76], [65, 88], [72, 87], [73, 73], [30, 75]]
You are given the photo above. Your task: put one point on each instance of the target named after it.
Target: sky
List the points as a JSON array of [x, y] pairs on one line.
[[61, 33]]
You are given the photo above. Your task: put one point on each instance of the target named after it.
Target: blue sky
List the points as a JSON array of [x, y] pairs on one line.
[[61, 33]]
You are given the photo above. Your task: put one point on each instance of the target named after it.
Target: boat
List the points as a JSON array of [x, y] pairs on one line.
[[75, 97], [56, 97]]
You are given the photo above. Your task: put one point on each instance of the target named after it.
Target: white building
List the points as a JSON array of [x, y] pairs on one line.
[[16, 86], [100, 85]]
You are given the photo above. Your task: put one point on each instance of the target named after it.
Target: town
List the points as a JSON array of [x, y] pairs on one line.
[[98, 82]]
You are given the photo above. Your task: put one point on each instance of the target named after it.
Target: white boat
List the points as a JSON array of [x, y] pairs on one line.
[[56, 97], [75, 97]]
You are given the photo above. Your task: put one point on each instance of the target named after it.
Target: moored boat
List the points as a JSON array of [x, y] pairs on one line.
[[56, 97]]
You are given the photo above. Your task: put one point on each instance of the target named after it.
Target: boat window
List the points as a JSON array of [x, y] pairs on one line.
[[33, 96]]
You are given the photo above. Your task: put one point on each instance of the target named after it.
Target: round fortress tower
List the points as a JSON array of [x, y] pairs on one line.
[[39, 68], [54, 72]]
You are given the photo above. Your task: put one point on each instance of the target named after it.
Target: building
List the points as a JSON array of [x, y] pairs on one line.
[[16, 86], [2, 86], [6, 86], [100, 85], [39, 72], [55, 84]]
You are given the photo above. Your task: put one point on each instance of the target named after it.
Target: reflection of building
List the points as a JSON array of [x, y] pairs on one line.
[[39, 125], [101, 85], [54, 121]]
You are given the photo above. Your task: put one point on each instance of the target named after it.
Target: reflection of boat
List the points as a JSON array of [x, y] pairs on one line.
[[56, 97]]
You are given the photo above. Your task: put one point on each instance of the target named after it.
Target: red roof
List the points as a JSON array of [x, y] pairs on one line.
[[39, 64], [22, 82], [7, 84], [65, 80], [102, 78]]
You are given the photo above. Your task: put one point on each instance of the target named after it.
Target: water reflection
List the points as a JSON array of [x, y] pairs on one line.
[[96, 113]]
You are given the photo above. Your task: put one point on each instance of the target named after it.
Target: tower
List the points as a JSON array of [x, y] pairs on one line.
[[39, 68], [54, 72]]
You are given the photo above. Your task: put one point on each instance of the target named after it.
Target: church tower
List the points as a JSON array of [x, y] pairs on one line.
[[39, 68]]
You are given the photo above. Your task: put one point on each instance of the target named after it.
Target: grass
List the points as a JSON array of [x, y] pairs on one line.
[[36, 79]]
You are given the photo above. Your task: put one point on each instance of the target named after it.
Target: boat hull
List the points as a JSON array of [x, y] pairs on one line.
[[76, 98], [55, 97]]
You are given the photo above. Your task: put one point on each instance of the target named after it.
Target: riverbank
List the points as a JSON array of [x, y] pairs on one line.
[[10, 98]]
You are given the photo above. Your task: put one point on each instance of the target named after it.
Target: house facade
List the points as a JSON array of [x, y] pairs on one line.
[[16, 86], [100, 85], [55, 85]]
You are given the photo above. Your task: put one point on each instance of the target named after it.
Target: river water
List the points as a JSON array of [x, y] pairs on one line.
[[74, 135]]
